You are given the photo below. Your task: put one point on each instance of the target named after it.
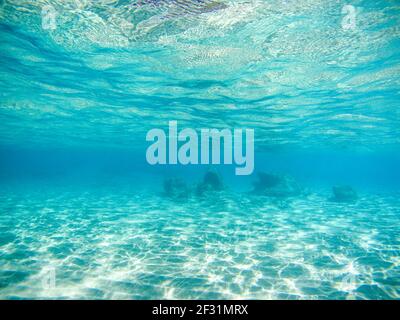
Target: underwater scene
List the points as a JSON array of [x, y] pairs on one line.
[[110, 189]]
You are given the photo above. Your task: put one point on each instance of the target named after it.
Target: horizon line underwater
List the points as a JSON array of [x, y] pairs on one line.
[[199, 150]]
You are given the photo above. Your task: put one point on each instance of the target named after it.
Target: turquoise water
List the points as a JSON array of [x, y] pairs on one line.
[[79, 202]]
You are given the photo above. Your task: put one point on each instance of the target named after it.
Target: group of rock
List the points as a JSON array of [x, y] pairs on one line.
[[267, 184]]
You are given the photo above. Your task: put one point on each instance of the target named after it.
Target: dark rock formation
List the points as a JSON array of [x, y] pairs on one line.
[[211, 182], [274, 185], [176, 188], [344, 194]]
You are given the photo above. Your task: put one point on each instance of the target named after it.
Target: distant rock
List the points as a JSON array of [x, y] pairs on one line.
[[176, 188], [344, 194], [211, 182], [266, 180], [275, 185]]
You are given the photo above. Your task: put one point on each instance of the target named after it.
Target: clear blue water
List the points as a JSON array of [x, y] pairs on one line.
[[78, 198]]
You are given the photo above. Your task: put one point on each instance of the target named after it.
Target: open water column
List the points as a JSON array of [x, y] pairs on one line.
[[200, 149]]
